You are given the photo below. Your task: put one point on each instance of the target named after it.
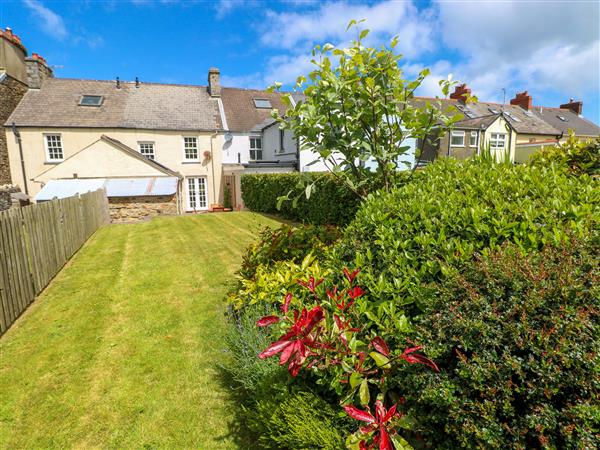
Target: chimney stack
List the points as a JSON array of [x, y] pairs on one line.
[[12, 56], [523, 99], [460, 92], [214, 84], [576, 107], [38, 70]]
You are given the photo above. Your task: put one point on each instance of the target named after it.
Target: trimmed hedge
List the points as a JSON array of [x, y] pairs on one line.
[[453, 209], [331, 203], [516, 340]]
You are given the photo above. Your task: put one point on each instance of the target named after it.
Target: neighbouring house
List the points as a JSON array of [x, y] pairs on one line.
[[252, 141], [511, 131], [18, 73], [70, 129]]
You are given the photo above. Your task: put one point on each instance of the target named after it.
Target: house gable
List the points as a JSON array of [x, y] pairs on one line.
[[105, 158]]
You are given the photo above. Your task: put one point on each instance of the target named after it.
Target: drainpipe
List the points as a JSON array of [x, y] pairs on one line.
[[18, 137], [212, 163]]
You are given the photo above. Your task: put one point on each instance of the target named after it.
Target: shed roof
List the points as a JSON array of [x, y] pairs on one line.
[[149, 106], [115, 187]]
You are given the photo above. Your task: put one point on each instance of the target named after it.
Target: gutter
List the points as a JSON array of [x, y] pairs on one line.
[[18, 138]]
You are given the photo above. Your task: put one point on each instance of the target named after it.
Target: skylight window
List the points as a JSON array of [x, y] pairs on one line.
[[510, 116], [563, 118], [262, 103], [494, 111], [528, 113], [91, 100], [469, 114]]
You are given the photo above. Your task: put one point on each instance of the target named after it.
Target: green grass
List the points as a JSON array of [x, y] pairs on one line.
[[123, 349]]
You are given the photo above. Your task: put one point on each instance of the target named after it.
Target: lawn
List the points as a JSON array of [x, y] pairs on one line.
[[123, 349]]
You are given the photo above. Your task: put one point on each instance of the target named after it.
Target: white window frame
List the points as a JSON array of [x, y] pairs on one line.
[[147, 155], [254, 149], [185, 158], [495, 140], [457, 133], [47, 148], [474, 134]]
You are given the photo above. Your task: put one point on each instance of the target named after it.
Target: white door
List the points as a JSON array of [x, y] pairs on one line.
[[196, 194]]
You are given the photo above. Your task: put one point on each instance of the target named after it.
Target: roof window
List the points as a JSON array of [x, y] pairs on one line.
[[262, 103], [91, 100], [494, 111], [563, 118], [469, 114], [510, 116]]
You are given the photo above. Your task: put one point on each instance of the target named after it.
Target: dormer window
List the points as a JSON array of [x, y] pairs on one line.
[[91, 100], [262, 103]]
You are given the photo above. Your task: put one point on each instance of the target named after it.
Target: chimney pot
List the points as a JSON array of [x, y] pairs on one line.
[[576, 107], [214, 83], [460, 92], [523, 99]]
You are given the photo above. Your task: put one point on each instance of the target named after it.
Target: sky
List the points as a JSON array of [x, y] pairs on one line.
[[549, 48]]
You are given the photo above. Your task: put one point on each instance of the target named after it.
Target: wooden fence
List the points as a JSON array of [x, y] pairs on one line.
[[35, 243]]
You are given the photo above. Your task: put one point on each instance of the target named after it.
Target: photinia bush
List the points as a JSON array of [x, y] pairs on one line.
[[322, 331]]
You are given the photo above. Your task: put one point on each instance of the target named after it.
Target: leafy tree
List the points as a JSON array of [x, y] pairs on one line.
[[359, 107]]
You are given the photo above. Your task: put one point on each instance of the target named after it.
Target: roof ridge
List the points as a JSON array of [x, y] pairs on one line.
[[142, 83]]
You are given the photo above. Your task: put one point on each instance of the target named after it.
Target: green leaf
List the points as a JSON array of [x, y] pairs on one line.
[[363, 392], [400, 443], [363, 34], [381, 360], [355, 379]]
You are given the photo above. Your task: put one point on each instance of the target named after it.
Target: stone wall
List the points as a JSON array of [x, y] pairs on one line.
[[11, 92], [135, 209], [5, 199]]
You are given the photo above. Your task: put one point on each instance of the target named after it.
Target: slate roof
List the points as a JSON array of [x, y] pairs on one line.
[[580, 125], [149, 106], [241, 113], [521, 122]]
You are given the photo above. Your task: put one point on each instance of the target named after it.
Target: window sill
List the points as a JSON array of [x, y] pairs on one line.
[[53, 162], [191, 161]]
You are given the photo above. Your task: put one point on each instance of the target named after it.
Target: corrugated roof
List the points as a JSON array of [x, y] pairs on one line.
[[149, 106], [115, 187]]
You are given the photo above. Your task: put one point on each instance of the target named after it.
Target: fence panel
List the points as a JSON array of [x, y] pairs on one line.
[[35, 243]]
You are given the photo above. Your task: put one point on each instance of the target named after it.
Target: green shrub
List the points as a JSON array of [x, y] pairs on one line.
[[258, 378], [578, 157], [451, 210], [287, 244], [271, 283], [331, 203], [301, 421], [516, 338]]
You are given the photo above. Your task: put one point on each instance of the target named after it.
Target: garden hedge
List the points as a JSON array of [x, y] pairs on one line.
[[515, 337], [332, 202], [454, 209]]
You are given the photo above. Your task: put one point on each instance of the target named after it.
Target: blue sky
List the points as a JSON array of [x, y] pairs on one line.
[[551, 48]]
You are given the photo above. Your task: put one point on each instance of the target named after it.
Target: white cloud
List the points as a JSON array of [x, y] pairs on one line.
[[51, 23], [524, 45], [224, 7], [328, 22]]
